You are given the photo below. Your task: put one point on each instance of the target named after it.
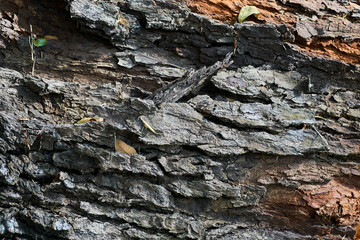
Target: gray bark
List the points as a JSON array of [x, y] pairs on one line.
[[268, 148]]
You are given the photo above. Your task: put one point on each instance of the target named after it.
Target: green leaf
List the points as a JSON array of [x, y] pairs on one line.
[[246, 11], [39, 42]]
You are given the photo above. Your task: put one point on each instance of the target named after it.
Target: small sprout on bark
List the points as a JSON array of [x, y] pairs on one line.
[[39, 42], [35, 42], [247, 11]]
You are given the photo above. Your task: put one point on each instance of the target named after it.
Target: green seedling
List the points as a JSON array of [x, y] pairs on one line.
[[39, 42], [35, 42]]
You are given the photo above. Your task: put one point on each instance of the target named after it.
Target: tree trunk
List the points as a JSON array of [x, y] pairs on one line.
[[241, 131]]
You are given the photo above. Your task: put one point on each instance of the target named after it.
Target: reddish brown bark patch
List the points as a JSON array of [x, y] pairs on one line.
[[338, 200], [290, 12]]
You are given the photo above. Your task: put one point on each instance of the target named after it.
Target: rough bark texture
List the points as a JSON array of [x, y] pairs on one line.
[[268, 148], [328, 28]]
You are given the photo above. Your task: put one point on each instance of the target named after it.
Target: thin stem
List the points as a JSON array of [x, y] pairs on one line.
[[33, 57], [33, 67], [321, 136]]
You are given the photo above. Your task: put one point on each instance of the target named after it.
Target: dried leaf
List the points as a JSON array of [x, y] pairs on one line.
[[320, 117], [122, 21], [148, 126], [230, 99], [23, 119], [50, 37], [246, 11], [84, 120], [122, 147]]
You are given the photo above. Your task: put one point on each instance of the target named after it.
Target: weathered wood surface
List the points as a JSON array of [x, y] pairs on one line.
[[192, 82], [269, 148]]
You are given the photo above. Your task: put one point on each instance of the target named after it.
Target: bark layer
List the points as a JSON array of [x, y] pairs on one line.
[[268, 148]]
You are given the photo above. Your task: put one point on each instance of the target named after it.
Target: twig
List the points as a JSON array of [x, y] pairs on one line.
[[321, 136], [33, 57], [26, 141], [235, 41]]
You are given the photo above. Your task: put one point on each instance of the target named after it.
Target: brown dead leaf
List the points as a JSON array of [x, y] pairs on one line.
[[23, 119], [84, 120], [122, 147], [48, 37]]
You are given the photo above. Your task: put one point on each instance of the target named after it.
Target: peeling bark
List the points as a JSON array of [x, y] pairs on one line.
[[267, 148], [192, 83]]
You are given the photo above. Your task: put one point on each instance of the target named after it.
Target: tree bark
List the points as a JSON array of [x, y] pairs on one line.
[[267, 147]]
